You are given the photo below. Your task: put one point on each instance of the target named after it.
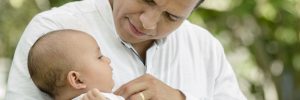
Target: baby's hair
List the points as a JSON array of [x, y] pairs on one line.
[[48, 62]]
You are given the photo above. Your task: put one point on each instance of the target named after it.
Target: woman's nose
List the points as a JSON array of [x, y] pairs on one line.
[[150, 18]]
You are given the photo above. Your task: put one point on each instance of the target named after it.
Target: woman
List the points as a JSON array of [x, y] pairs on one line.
[[155, 52]]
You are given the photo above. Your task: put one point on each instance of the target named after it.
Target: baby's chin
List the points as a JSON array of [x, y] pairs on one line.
[[110, 89], [106, 91]]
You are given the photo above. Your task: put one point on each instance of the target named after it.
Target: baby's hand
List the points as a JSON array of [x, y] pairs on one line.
[[93, 94]]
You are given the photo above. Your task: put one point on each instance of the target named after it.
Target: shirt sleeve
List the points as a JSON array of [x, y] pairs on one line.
[[226, 85], [222, 82], [20, 84], [189, 96]]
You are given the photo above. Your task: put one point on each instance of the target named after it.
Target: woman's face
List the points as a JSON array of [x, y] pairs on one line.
[[145, 20]]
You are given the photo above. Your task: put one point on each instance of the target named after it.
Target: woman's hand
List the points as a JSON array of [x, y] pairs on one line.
[[148, 87]]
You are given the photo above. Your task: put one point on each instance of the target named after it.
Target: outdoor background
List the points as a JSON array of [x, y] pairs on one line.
[[261, 39]]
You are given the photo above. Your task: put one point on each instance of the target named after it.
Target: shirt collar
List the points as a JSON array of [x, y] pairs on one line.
[[157, 43]]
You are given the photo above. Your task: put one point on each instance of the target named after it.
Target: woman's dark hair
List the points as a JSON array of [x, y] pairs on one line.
[[198, 4]]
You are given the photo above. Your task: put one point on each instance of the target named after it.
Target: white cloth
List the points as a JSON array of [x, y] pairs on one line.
[[108, 96], [189, 59]]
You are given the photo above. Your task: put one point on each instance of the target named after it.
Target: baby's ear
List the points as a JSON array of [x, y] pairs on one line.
[[75, 81]]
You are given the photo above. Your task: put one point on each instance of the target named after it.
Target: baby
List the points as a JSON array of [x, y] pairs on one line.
[[68, 63]]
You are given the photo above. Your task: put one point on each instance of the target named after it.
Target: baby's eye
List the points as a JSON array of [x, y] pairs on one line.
[[100, 57]]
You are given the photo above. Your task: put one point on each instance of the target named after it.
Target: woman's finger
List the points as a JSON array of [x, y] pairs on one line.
[[143, 95]]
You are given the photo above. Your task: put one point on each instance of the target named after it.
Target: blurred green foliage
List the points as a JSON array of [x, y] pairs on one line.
[[12, 23], [270, 30], [261, 39]]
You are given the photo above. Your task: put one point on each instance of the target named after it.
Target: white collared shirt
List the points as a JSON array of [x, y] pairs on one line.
[[189, 59], [107, 96]]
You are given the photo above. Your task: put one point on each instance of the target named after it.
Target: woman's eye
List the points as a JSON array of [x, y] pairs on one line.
[[151, 2], [172, 17]]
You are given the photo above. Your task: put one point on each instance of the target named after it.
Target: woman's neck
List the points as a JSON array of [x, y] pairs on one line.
[[142, 48], [111, 3]]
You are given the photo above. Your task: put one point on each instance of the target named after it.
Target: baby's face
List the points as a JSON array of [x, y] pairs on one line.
[[94, 67]]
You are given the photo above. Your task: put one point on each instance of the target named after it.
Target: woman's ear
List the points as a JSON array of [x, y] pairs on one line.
[[75, 81]]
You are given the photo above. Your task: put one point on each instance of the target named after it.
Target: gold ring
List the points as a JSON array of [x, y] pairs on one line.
[[142, 95]]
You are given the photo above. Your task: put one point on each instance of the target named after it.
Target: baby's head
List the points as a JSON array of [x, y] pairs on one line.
[[63, 61]]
